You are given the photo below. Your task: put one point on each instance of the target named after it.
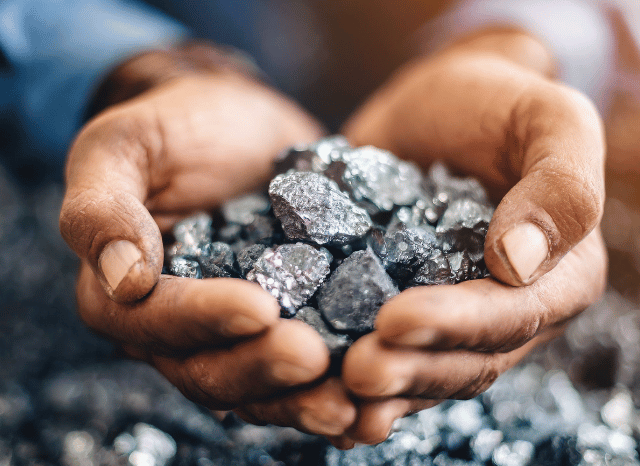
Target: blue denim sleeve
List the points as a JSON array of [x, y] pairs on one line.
[[56, 51]]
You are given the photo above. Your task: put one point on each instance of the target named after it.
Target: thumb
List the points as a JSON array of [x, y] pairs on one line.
[[559, 153], [103, 218]]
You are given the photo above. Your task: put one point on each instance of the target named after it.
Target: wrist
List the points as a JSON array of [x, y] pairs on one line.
[[150, 69]]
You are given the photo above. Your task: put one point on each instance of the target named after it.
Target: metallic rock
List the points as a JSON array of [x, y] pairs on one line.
[[311, 207], [242, 210], [435, 271], [463, 227], [194, 230], [355, 291], [291, 273], [217, 260], [264, 229], [378, 180], [337, 343], [465, 213], [248, 256], [447, 188], [406, 249], [313, 158], [183, 267], [463, 268]]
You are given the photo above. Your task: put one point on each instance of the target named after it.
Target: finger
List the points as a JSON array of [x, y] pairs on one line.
[[486, 315], [372, 369], [288, 354], [103, 218], [376, 418], [181, 314], [560, 198], [322, 410]]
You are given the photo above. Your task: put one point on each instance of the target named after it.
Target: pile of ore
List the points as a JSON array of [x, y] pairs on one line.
[[341, 231]]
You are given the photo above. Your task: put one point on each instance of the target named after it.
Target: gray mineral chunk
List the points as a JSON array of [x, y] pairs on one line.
[[435, 271], [217, 260], [379, 180], [337, 343], [264, 229], [291, 273], [354, 292], [299, 159], [311, 207], [230, 233], [312, 158], [406, 249], [327, 146], [464, 225], [446, 188], [194, 230], [462, 267], [191, 235], [248, 256], [183, 267], [242, 210], [467, 214]]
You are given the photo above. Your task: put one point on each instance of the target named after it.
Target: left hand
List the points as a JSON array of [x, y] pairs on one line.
[[538, 146]]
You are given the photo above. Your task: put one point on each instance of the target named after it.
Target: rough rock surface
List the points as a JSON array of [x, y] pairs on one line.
[[311, 207], [355, 291], [337, 343], [291, 273]]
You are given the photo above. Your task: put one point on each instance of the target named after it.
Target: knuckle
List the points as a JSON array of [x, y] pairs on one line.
[[199, 385]]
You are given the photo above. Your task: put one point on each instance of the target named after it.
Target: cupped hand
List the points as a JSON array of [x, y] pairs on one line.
[[538, 146], [184, 146]]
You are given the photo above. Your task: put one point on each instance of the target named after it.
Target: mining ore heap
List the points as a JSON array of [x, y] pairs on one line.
[[341, 231]]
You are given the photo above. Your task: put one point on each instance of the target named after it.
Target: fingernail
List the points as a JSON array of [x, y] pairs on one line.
[[291, 374], [317, 426], [526, 248], [116, 260], [242, 325], [417, 337]]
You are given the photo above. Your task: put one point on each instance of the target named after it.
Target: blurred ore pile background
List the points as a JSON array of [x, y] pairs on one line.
[[67, 398]]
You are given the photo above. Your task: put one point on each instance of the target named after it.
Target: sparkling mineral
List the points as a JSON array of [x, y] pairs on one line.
[[312, 158], [406, 249], [311, 207], [447, 188], [463, 268], [291, 273], [464, 225], [184, 267], [435, 271], [379, 180], [217, 260], [337, 343], [264, 229], [355, 291], [242, 210], [248, 256], [192, 233], [465, 214]]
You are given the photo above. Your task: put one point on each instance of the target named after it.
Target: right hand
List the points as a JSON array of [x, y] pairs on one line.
[[135, 169]]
